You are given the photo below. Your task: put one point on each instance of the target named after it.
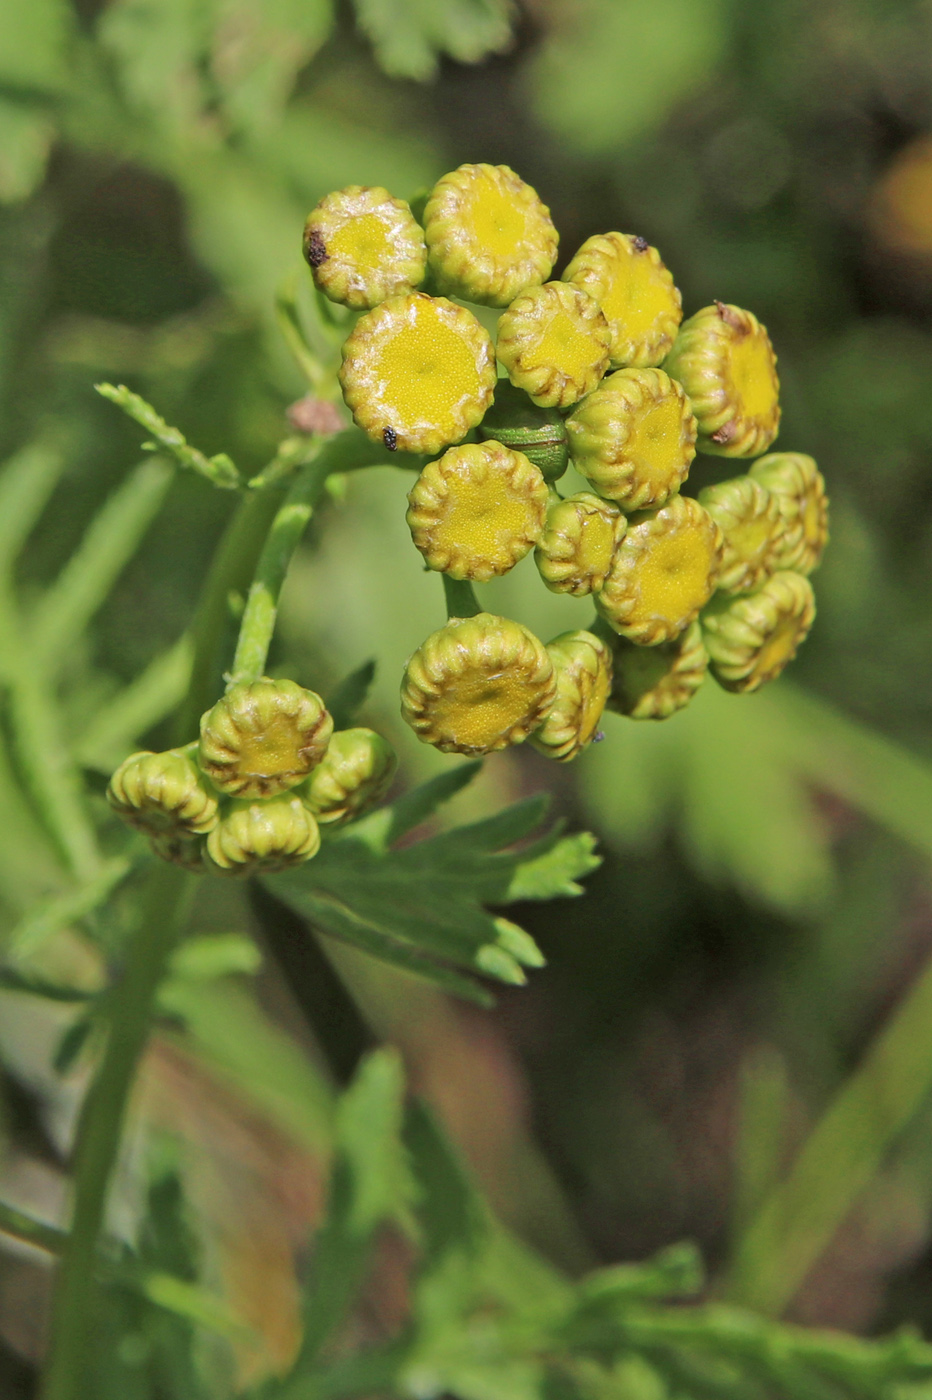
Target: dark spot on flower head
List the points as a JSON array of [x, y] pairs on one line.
[[640, 244], [316, 250], [390, 438]]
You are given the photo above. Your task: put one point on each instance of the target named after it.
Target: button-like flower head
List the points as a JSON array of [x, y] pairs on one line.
[[626, 277], [418, 372], [724, 360], [752, 526], [655, 682], [364, 246], [163, 793], [583, 667], [799, 488], [575, 552], [477, 685], [353, 776], [263, 737], [488, 235], [751, 638], [553, 341], [262, 837]]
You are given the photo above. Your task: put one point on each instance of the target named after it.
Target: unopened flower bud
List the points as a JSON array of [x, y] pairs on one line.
[[488, 235], [418, 372], [162, 793], [664, 571], [263, 737], [353, 776], [262, 837], [634, 438], [575, 551], [553, 341], [627, 278], [477, 510], [363, 246], [180, 849], [477, 685], [655, 682], [751, 524], [724, 360], [583, 667], [752, 637], [799, 488], [539, 433]]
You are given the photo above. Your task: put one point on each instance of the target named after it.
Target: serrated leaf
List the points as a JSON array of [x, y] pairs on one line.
[[410, 36], [556, 869]]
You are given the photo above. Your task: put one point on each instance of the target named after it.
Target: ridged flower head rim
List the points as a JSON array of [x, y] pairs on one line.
[[363, 245], [582, 664], [477, 511], [488, 234], [751, 638], [575, 551], [418, 373], [263, 737], [655, 682], [255, 837], [477, 685], [628, 279], [799, 488], [751, 523], [353, 776], [725, 361], [162, 793], [554, 341]]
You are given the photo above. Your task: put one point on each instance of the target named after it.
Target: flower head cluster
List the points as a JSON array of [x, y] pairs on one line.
[[251, 795], [600, 370]]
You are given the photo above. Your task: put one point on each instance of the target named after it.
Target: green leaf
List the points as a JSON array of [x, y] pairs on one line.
[[258, 51], [159, 50], [209, 955], [555, 867], [350, 695], [34, 47], [26, 136], [49, 916], [72, 1043], [219, 469], [26, 482], [410, 36]]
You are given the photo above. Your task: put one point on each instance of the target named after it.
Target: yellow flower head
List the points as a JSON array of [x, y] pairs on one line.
[[262, 837], [752, 637], [752, 526], [634, 438], [263, 737], [418, 372], [364, 246], [655, 682], [664, 571], [488, 235], [575, 552], [553, 341], [583, 667], [724, 360], [636, 293], [354, 775], [799, 488], [477, 510], [162, 794], [477, 685]]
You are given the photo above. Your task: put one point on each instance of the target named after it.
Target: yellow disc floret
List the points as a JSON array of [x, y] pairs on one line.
[[263, 737], [363, 246], [553, 341], [477, 685], [664, 571], [751, 523], [583, 667], [655, 682], [751, 638], [636, 293], [575, 552], [262, 837], [478, 510], [725, 361], [418, 372], [799, 488], [488, 235], [634, 438]]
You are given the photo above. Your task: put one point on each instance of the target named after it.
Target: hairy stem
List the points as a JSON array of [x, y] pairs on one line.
[[99, 1129]]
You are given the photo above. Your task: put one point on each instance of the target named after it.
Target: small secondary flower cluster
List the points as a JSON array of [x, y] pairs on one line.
[[251, 795], [600, 372]]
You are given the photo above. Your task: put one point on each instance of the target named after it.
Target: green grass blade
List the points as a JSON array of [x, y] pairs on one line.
[[115, 730], [26, 483]]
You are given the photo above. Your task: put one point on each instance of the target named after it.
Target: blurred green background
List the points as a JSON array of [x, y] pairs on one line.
[[764, 903]]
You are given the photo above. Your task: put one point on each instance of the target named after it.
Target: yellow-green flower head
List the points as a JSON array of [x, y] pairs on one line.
[[799, 487], [354, 775], [262, 837], [477, 510], [488, 235], [418, 372], [477, 685], [664, 571], [180, 849], [263, 737], [575, 552], [162, 793], [752, 637], [634, 438], [655, 682], [553, 341], [724, 360], [752, 526], [626, 277], [583, 667], [364, 246]]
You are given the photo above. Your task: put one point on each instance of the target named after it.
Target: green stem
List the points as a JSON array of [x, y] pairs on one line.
[[24, 1227], [461, 600], [99, 1130]]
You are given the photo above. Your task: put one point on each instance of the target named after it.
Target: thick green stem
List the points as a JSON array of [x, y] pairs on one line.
[[99, 1129], [461, 600]]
